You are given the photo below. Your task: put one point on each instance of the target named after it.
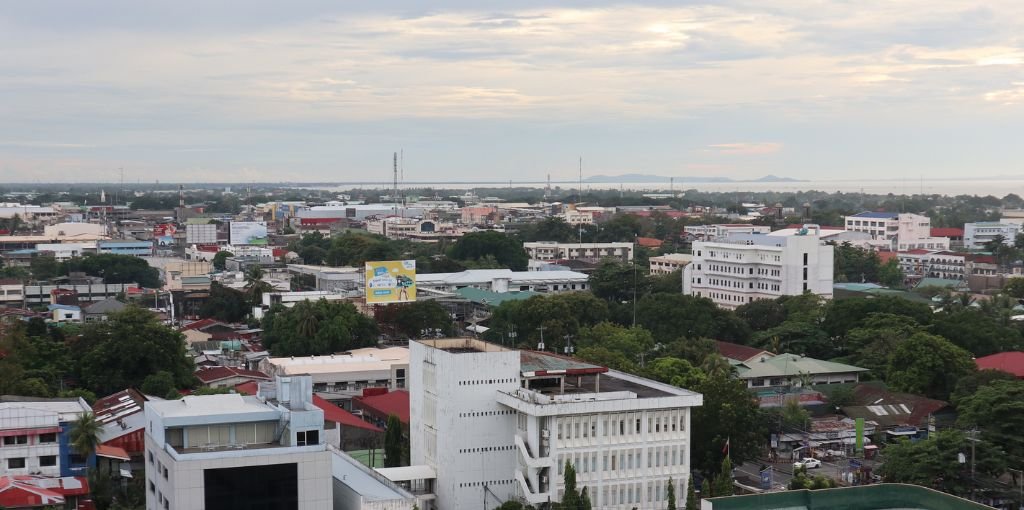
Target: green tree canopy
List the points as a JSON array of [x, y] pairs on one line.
[[998, 409], [122, 351], [411, 319], [394, 439], [225, 304], [115, 269], [934, 462], [317, 327], [928, 365], [220, 258], [475, 246], [975, 332], [729, 413], [671, 316]]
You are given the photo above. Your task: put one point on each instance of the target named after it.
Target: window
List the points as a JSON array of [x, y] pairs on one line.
[[16, 463], [48, 460], [13, 440], [308, 437], [48, 438], [152, 488]]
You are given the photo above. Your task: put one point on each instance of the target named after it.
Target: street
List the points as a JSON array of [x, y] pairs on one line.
[[749, 472]]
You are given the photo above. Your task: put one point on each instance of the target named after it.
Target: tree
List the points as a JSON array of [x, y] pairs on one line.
[[970, 384], [159, 384], [115, 269], [934, 462], [43, 267], [85, 434], [729, 413], [475, 246], [394, 440], [890, 274], [255, 286], [616, 281], [871, 344], [762, 314], [671, 316], [317, 327], [551, 228], [998, 409], [225, 304], [220, 259], [412, 319], [705, 488], [975, 332], [571, 497], [928, 365], [122, 351], [794, 416], [723, 482], [691, 497], [670, 494], [585, 503], [560, 314], [674, 371]]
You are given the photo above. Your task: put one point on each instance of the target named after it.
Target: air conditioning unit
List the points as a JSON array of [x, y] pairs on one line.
[[545, 433]]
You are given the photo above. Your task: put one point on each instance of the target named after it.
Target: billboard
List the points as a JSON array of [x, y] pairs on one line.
[[201, 234], [391, 281], [249, 232], [163, 234]]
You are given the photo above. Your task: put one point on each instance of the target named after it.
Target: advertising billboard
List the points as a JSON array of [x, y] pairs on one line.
[[249, 232], [201, 234], [163, 234], [391, 281]]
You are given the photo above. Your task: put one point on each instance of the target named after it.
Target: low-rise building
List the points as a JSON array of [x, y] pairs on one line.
[[36, 437], [234, 451], [722, 230], [591, 252], [978, 235], [503, 280], [339, 377], [228, 377], [668, 263], [794, 371]]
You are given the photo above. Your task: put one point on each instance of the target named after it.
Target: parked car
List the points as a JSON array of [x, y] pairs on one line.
[[807, 462]]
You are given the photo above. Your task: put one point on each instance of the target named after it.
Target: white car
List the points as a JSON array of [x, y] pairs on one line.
[[807, 462]]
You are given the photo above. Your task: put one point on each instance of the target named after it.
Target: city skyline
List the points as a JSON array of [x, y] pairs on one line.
[[251, 91]]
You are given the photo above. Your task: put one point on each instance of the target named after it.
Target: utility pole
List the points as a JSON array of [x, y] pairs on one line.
[[540, 346]]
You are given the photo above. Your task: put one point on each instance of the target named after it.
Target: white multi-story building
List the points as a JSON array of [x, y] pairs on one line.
[[670, 262], [35, 437], [905, 231], [977, 235], [744, 268], [234, 451], [723, 230], [497, 424], [591, 252]]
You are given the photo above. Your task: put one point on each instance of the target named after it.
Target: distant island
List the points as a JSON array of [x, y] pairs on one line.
[[640, 178]]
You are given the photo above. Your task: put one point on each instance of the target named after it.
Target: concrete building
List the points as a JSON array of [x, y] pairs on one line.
[[744, 268], [66, 251], [977, 235], [357, 487], [668, 263], [339, 377], [496, 424], [133, 248], [722, 230], [905, 231], [62, 230], [233, 451], [591, 252], [503, 280], [36, 439], [794, 371]]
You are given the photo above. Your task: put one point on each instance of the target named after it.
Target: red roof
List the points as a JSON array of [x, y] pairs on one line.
[[199, 324], [947, 232], [248, 387], [649, 242], [112, 452], [214, 374], [339, 415], [395, 402], [28, 491], [886, 256], [1009, 362], [736, 351], [982, 259], [919, 251]]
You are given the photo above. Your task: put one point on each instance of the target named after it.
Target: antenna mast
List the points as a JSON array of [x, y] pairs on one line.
[[394, 192], [580, 199]]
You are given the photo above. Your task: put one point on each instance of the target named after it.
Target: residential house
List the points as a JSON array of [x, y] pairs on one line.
[[1010, 362], [101, 310]]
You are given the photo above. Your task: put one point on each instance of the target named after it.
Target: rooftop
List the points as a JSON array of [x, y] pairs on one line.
[[207, 405], [214, 374], [539, 364], [356, 360], [863, 497], [1010, 362], [471, 276], [787, 365], [393, 402], [876, 215], [493, 298], [738, 352], [463, 345]]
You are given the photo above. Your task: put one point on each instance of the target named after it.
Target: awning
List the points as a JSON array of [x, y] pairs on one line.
[[126, 473], [476, 328], [112, 452], [33, 431]]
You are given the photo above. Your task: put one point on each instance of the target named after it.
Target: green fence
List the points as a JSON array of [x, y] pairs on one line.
[[867, 497]]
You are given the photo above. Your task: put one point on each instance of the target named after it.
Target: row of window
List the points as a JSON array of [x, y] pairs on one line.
[[582, 427], [486, 381], [486, 449], [719, 296], [23, 439], [20, 462], [624, 494], [166, 502], [485, 413], [624, 460], [489, 482]]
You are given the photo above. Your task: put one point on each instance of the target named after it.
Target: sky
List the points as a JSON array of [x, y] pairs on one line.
[[302, 91]]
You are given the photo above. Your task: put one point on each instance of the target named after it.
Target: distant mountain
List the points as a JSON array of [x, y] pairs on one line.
[[642, 178]]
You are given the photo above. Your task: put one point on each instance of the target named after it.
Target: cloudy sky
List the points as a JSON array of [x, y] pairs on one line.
[[260, 90]]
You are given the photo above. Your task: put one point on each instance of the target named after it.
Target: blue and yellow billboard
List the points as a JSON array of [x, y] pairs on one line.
[[391, 281]]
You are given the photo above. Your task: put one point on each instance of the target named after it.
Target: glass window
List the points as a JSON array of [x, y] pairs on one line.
[[48, 438], [16, 463], [48, 460]]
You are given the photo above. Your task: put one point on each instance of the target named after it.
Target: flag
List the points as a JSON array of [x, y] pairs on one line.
[[725, 448]]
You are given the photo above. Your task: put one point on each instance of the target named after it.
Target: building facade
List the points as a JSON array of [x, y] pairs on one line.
[[35, 437], [503, 280], [498, 424], [592, 252], [978, 235], [234, 451], [665, 264], [722, 230], [743, 269]]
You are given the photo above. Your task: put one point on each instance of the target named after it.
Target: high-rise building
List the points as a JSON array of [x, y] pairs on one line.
[[498, 424]]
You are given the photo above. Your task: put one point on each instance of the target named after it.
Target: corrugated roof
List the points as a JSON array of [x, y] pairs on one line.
[[786, 365], [1010, 362], [534, 363], [876, 215], [394, 402], [493, 298], [738, 352], [338, 415]]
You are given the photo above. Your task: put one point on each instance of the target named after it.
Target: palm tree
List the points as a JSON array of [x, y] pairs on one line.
[[309, 324], [254, 284], [85, 434], [716, 365]]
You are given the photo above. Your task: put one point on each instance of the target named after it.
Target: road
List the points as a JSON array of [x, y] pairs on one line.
[[749, 472]]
